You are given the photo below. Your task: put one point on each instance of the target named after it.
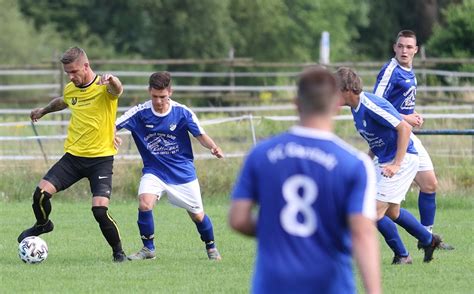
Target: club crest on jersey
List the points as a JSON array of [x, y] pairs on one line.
[[74, 100], [172, 127]]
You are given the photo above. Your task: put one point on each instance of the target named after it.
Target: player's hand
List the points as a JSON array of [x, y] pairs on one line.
[[414, 119], [117, 142], [390, 170], [217, 152], [105, 79], [36, 114]]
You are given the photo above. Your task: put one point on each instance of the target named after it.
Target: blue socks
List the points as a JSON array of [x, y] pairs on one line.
[[427, 207], [206, 231], [146, 226], [389, 231], [413, 227]]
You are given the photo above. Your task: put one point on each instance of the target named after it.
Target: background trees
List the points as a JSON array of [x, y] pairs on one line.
[[266, 30]]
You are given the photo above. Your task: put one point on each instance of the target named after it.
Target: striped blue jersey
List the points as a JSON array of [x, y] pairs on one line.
[[376, 120], [397, 84], [163, 140], [306, 184]]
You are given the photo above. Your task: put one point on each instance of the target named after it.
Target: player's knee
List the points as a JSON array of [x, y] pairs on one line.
[[144, 205], [40, 195], [393, 212], [100, 213], [197, 217], [429, 186]]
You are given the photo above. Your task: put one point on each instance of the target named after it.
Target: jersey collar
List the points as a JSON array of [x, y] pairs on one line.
[[311, 133], [402, 67], [88, 84], [162, 114], [361, 97]]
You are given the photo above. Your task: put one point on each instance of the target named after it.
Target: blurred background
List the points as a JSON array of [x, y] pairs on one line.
[[234, 62]]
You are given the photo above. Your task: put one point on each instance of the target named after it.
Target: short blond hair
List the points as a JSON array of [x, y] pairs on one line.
[[73, 54]]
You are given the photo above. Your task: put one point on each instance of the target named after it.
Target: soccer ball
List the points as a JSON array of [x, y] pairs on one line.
[[33, 250]]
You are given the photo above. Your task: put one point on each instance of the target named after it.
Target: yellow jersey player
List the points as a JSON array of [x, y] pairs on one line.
[[89, 147]]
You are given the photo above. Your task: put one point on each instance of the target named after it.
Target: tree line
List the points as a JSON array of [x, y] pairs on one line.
[[265, 30]]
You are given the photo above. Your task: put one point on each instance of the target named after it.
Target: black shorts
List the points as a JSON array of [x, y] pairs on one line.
[[70, 169]]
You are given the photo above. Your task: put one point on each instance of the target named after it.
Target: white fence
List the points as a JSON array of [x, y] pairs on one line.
[[252, 120]]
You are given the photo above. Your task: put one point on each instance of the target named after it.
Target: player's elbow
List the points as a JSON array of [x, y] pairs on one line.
[[405, 126]]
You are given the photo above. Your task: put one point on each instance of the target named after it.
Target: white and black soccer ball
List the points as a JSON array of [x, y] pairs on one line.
[[33, 250]]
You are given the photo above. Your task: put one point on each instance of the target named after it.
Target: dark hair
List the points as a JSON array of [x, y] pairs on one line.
[[406, 34], [72, 54], [160, 80], [348, 80], [316, 90]]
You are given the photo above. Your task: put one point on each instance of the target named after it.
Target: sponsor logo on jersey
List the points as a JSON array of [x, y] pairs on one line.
[[409, 102]]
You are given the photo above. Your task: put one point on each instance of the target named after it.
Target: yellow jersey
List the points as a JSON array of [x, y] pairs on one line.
[[92, 125]]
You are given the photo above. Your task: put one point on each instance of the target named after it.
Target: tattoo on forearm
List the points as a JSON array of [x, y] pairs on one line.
[[55, 105]]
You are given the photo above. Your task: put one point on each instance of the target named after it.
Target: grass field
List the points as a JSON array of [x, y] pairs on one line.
[[80, 260]]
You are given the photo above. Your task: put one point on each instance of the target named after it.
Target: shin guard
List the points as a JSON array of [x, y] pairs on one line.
[[108, 227], [41, 206]]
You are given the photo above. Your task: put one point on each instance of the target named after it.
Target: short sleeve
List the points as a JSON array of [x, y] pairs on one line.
[[245, 186], [193, 123], [384, 113], [361, 199], [128, 120]]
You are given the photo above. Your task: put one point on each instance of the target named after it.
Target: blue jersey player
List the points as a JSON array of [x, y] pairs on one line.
[[388, 136], [315, 198], [396, 82], [160, 128]]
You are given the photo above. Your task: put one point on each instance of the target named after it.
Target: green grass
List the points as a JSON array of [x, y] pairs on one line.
[[80, 260]]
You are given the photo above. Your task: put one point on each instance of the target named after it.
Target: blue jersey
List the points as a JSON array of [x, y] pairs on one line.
[[376, 120], [306, 183], [163, 140], [397, 84]]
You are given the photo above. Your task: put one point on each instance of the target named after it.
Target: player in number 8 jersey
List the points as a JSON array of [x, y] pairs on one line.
[[313, 209]]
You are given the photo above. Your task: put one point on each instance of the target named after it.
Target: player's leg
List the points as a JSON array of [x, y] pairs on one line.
[[206, 231], [149, 192], [60, 176], [428, 184], [427, 241], [188, 196], [426, 180], [393, 190], [99, 173], [389, 231], [146, 227]]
